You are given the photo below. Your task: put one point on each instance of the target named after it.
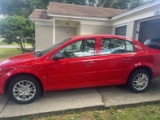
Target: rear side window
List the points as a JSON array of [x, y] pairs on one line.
[[112, 46], [129, 46]]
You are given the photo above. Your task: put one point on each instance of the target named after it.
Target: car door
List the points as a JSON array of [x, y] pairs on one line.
[[77, 69], [115, 56]]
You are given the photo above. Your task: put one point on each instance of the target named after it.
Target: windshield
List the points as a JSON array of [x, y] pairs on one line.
[[43, 52]]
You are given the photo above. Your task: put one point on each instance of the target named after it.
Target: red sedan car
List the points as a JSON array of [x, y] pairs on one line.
[[77, 62]]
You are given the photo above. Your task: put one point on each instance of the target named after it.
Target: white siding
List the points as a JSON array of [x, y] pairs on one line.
[[95, 29], [43, 36], [62, 34]]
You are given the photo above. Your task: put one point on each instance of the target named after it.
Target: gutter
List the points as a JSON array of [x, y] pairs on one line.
[[77, 17]]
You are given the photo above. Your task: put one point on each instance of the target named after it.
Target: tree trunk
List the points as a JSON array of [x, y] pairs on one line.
[[104, 2], [21, 45]]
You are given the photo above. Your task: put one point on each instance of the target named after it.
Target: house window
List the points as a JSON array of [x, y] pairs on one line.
[[121, 30]]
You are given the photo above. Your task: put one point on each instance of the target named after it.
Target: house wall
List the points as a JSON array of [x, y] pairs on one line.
[[43, 36], [78, 26], [142, 14], [62, 34], [78, 29], [132, 20], [131, 28], [95, 29]]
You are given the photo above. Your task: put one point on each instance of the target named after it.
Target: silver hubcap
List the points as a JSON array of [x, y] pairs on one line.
[[24, 90], [140, 81]]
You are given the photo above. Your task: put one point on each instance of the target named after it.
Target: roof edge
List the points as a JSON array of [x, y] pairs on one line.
[[78, 17], [135, 10], [35, 19]]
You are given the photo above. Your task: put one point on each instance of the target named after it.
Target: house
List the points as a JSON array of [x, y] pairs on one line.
[[62, 21]]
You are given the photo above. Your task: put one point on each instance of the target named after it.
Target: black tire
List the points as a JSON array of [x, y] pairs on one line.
[[136, 84], [24, 87]]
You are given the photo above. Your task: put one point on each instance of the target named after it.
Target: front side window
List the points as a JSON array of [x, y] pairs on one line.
[[112, 46], [79, 48], [43, 52]]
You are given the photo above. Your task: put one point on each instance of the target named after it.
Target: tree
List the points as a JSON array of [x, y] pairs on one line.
[[119, 4], [77, 2], [17, 29], [136, 3], [20, 7], [25, 7]]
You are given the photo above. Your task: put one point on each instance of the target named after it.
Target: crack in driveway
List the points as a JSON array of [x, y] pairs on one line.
[[4, 106], [103, 99]]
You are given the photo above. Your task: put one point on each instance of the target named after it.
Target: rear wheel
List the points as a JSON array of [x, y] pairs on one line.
[[24, 89], [139, 80]]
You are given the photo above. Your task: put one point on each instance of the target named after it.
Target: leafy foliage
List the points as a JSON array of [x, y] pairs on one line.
[[136, 3], [120, 4], [25, 7], [17, 29], [19, 7]]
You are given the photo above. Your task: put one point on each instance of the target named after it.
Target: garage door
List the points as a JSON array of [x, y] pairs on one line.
[[149, 30]]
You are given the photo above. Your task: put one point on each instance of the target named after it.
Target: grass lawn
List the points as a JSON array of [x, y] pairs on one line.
[[8, 52], [143, 112]]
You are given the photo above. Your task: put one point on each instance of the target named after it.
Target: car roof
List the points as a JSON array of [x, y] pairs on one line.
[[103, 36]]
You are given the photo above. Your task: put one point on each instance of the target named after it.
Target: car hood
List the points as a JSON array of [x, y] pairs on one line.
[[17, 59]]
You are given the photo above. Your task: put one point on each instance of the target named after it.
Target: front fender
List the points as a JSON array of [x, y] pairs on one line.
[[40, 74]]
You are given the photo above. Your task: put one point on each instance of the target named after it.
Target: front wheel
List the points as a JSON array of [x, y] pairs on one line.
[[24, 89], [139, 80]]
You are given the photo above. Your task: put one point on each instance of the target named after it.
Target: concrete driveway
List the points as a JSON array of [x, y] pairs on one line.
[[80, 98]]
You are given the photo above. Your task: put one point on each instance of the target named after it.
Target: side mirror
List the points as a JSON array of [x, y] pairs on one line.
[[58, 56]]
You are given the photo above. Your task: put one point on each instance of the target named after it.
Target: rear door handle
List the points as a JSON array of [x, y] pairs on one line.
[[127, 59], [88, 63]]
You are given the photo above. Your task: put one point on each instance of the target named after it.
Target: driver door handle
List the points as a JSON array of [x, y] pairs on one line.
[[89, 63]]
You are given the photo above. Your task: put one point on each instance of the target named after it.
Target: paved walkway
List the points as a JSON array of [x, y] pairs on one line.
[[81, 98]]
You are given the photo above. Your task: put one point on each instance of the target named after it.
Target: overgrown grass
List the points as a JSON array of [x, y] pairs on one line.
[[15, 44], [4, 43], [8, 52], [143, 112]]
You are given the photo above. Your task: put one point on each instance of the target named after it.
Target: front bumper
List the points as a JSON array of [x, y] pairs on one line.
[[1, 83]]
